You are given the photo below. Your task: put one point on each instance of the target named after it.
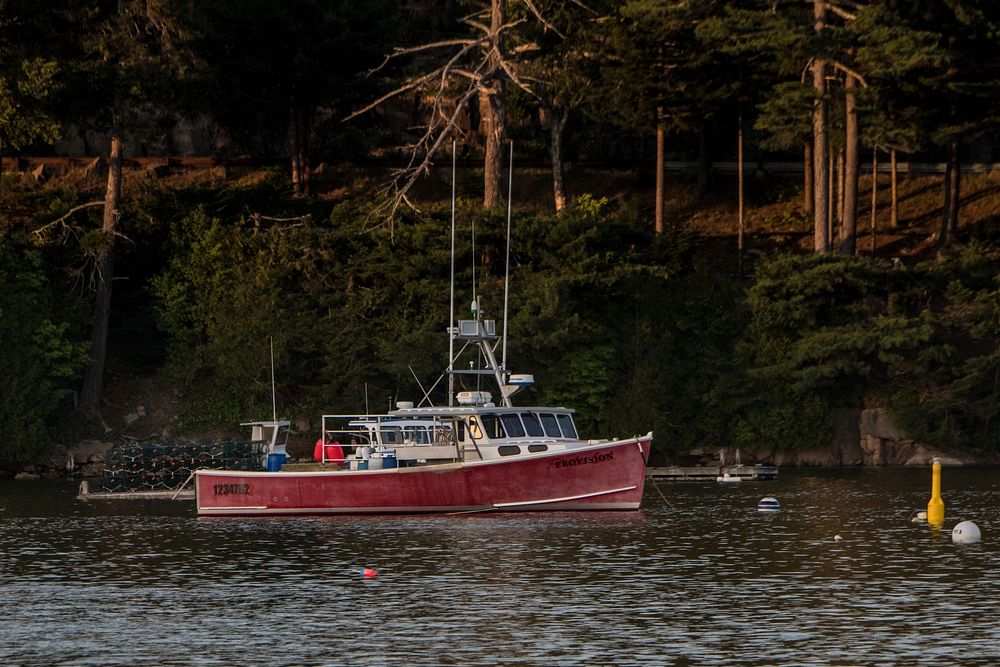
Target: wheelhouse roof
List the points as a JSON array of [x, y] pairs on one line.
[[457, 411]]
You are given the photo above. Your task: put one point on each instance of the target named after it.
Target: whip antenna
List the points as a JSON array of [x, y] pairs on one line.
[[451, 315], [506, 278], [274, 400]]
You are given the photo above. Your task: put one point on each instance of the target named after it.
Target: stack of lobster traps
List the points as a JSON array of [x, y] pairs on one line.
[[144, 466]]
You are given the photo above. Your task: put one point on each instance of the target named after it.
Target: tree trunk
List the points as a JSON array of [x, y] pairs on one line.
[[739, 205], [952, 189], [299, 148], [848, 224], [305, 151], [956, 191], [660, 169], [704, 162], [491, 105], [821, 200], [294, 154], [807, 180], [874, 198], [557, 127], [830, 199], [838, 188], [93, 377], [894, 187]]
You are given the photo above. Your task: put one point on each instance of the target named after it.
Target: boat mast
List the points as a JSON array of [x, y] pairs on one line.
[[506, 278], [451, 316], [477, 331]]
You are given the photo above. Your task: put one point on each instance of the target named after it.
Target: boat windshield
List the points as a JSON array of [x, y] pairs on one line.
[[551, 425], [512, 424], [520, 425], [568, 430], [532, 426], [491, 426]]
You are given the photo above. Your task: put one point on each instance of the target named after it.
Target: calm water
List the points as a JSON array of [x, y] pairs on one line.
[[703, 580]]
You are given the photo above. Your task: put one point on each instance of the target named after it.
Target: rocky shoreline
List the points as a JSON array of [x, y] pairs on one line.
[[862, 438]]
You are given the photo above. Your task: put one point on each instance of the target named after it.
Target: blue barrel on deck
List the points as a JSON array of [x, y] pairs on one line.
[[275, 461]]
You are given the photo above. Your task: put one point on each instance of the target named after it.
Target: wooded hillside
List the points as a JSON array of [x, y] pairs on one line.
[[714, 308]]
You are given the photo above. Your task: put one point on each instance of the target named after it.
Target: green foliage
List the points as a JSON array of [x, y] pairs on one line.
[[828, 332], [29, 73], [785, 116], [38, 360], [23, 95], [349, 308]]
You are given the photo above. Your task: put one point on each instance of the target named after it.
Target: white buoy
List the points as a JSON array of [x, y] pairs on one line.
[[919, 517], [966, 532], [768, 505], [837, 538]]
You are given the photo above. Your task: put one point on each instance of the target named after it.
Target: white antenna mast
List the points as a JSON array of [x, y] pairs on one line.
[[506, 278], [451, 316], [274, 400], [475, 297]]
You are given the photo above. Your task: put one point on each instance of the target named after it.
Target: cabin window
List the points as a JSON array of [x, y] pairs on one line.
[[566, 422], [551, 425], [538, 448], [461, 429], [442, 435], [474, 431], [508, 450], [531, 424], [390, 436], [416, 435], [512, 424], [492, 426]]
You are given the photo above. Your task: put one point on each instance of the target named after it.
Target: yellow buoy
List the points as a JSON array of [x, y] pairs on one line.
[[935, 508]]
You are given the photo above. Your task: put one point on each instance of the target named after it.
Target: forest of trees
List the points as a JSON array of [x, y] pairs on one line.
[[620, 313]]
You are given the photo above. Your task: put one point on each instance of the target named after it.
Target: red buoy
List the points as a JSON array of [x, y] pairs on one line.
[[331, 452], [368, 573]]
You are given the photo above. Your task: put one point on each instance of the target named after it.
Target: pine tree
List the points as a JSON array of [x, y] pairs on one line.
[[133, 54]]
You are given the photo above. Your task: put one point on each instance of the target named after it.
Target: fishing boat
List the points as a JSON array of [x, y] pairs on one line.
[[475, 454], [472, 456]]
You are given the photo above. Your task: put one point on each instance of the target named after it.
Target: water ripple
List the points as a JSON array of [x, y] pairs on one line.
[[706, 580]]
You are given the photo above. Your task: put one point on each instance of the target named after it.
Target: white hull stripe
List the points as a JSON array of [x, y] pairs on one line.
[[561, 500], [219, 511]]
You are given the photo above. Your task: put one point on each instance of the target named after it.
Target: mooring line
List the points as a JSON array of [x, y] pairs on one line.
[[653, 480]]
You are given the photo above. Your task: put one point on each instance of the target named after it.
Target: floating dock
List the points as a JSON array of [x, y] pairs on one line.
[[712, 473]]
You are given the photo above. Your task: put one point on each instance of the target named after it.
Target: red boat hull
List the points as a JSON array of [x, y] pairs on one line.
[[608, 476]]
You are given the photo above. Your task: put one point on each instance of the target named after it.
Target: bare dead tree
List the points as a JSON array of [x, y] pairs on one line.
[[480, 67]]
